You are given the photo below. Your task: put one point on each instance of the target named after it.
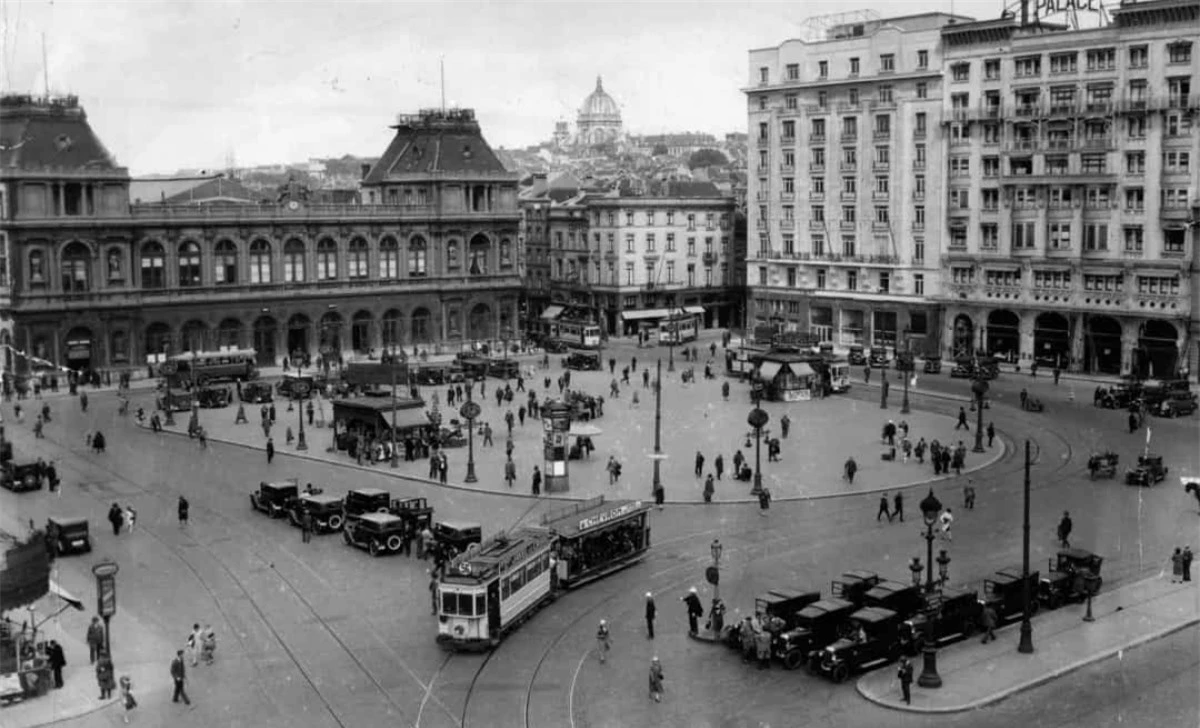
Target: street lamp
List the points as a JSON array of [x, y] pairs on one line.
[[392, 368], [1026, 644], [979, 387], [672, 333], [715, 549], [170, 420], [910, 370], [757, 419], [301, 390], [470, 410], [658, 453], [931, 507]]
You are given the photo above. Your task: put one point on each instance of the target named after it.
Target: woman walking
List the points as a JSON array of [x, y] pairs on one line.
[[127, 698], [656, 679], [603, 640]]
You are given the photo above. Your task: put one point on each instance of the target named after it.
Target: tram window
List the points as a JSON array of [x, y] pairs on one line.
[[518, 580], [532, 570], [464, 605], [504, 589], [449, 603], [480, 606]]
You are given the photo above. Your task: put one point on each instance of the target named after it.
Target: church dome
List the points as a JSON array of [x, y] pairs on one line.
[[599, 105]]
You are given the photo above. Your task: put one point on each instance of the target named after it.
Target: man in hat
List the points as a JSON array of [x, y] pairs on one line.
[[651, 612], [695, 610]]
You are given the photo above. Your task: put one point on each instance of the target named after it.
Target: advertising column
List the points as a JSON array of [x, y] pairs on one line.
[[556, 422]]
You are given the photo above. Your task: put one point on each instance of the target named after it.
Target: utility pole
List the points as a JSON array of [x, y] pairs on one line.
[[1026, 644]]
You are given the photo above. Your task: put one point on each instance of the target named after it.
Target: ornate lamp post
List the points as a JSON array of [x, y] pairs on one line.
[[656, 484], [170, 420], [979, 387], [673, 334], [470, 410], [1026, 644], [930, 508], [300, 392], [908, 372], [715, 549], [757, 419]]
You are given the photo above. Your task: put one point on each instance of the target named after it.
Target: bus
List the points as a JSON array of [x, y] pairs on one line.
[[678, 329], [204, 367], [577, 334]]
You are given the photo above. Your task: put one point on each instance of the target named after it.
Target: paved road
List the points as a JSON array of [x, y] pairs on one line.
[[323, 635]]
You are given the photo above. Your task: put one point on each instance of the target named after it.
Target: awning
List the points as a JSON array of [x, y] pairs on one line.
[[66, 596], [648, 313], [551, 313], [801, 369], [768, 369], [693, 309], [407, 419]]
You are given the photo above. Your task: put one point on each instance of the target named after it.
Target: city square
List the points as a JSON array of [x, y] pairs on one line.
[[665, 405]]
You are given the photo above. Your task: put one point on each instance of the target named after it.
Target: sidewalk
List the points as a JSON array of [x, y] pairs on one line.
[[975, 675]]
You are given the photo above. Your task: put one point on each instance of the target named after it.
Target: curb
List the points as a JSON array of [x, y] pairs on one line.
[[1029, 684], [111, 702]]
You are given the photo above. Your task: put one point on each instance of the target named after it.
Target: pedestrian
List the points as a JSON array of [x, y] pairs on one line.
[[945, 521], [919, 451], [656, 679], [738, 459], [289, 436], [179, 675], [699, 464], [646, 381], [695, 610], [116, 516], [764, 501], [183, 510], [898, 508], [194, 642], [105, 676], [443, 466], [762, 648], [905, 673], [270, 450], [1177, 566], [603, 640], [660, 495], [306, 528], [57, 660], [537, 480], [719, 465], [850, 469], [271, 413], [1024, 398], [883, 511], [962, 420], [510, 472], [866, 375], [785, 424], [708, 488], [1133, 422], [651, 613], [129, 701], [95, 640], [1064, 530], [487, 434], [130, 517], [969, 495], [241, 415], [991, 433], [310, 410], [208, 646], [989, 623], [1057, 374], [521, 415], [1187, 563]]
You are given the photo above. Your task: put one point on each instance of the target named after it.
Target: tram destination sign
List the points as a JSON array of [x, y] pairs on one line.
[[611, 515]]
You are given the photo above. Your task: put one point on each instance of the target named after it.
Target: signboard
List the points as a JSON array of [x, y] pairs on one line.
[[106, 588], [1039, 11], [615, 513], [712, 575]]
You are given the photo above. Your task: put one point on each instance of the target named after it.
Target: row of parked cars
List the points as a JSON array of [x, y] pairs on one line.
[[368, 518], [867, 621]]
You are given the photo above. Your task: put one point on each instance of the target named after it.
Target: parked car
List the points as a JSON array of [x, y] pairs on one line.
[[816, 625], [68, 535], [213, 397], [879, 357], [874, 640], [933, 365], [1070, 577], [856, 356], [326, 511], [453, 537], [903, 599], [379, 533], [959, 614], [783, 605], [853, 585], [583, 361], [276, 498], [20, 477], [416, 513], [257, 393], [1174, 404], [295, 386], [1004, 591], [1148, 471], [360, 501]]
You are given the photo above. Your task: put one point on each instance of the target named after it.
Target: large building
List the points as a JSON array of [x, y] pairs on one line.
[[599, 120], [93, 281], [1073, 163], [844, 203]]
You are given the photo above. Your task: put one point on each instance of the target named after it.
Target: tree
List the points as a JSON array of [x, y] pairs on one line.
[[706, 158]]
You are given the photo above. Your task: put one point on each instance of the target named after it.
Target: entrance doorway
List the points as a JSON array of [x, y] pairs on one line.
[[1003, 335], [1102, 345], [79, 348], [265, 336], [298, 332], [1157, 355], [1051, 340]]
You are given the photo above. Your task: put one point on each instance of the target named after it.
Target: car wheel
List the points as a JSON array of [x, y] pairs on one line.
[[840, 673], [793, 659], [393, 543], [335, 522], [374, 548], [346, 537]]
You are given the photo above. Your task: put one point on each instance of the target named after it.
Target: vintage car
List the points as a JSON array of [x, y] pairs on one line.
[[903, 599], [365, 500], [554, 346], [326, 511], [856, 356], [783, 605], [19, 477], [213, 397], [1004, 591], [816, 625], [853, 585], [276, 498], [984, 367], [588, 361], [878, 357], [453, 537], [1148, 471], [958, 616], [378, 533], [257, 393], [1070, 577], [416, 513], [905, 361], [933, 365], [295, 386], [1174, 404], [503, 368], [1103, 464], [67, 535], [874, 640], [1117, 397]]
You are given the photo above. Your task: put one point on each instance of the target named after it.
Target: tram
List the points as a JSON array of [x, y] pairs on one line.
[[488, 591], [678, 329], [576, 333]]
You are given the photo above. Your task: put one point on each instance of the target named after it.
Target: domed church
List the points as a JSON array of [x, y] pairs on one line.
[[599, 120]]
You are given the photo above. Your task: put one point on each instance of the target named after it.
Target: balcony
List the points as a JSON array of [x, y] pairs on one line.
[[845, 107], [849, 136], [881, 104], [878, 196], [1099, 107], [918, 226], [1060, 145], [848, 225], [918, 133], [763, 168], [710, 258], [816, 139], [918, 164], [848, 196], [763, 141], [1027, 110], [787, 168], [848, 166], [1063, 108], [882, 136], [816, 196], [787, 196], [817, 167], [762, 225], [762, 196], [787, 139], [881, 166], [880, 227], [1021, 145], [918, 195], [816, 224], [1099, 143]]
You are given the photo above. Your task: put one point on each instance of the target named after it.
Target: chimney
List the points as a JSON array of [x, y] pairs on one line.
[[366, 169]]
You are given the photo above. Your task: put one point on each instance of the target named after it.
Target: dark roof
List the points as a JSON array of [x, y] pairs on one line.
[[191, 191], [436, 141], [40, 133]]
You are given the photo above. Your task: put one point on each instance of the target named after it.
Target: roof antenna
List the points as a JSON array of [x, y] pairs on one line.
[[443, 64], [45, 66]]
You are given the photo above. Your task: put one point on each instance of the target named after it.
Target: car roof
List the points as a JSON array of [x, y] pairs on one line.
[[281, 484], [321, 498], [825, 605], [1079, 554], [68, 520], [860, 575], [458, 525], [873, 614], [887, 587], [381, 519], [369, 492]]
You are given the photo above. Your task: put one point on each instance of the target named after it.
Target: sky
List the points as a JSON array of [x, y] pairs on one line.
[[173, 84]]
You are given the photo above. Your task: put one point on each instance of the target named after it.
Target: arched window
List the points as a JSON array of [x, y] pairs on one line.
[[118, 348], [389, 258], [115, 265], [293, 261], [154, 262], [37, 268], [225, 263], [506, 260], [189, 265], [260, 262], [479, 255], [76, 261], [356, 259], [418, 253], [327, 260]]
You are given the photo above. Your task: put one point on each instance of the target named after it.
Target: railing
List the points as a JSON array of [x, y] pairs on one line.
[[848, 196], [816, 139], [268, 213], [881, 196], [787, 196], [849, 136], [918, 195], [848, 166], [786, 167], [816, 196], [816, 167]]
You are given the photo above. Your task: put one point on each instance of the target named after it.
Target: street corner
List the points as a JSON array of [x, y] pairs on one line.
[[882, 687]]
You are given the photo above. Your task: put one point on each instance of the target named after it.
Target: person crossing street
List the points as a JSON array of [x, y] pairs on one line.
[[883, 511], [651, 613]]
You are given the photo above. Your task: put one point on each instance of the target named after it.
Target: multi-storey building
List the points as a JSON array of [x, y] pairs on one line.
[[90, 281], [844, 203], [1072, 162]]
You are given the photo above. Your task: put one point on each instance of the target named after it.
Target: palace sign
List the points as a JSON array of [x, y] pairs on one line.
[[614, 514]]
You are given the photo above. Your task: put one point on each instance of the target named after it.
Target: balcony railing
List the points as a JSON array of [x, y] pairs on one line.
[[848, 196], [787, 196], [816, 139], [918, 195], [816, 196], [849, 136], [817, 167], [849, 166], [785, 167], [848, 225]]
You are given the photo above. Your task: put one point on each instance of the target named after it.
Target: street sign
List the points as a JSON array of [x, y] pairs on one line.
[[470, 410], [712, 575]]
